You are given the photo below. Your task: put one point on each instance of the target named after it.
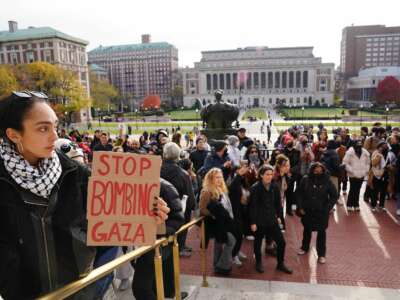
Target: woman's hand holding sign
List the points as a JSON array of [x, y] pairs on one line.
[[160, 210]]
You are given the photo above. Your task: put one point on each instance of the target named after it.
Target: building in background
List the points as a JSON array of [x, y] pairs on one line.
[[99, 72], [368, 46], [138, 70], [261, 77], [361, 90], [23, 46]]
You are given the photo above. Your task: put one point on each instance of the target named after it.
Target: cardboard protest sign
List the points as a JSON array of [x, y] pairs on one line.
[[121, 193]]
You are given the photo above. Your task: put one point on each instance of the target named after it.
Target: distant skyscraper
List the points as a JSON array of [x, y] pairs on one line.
[[139, 69], [368, 46]]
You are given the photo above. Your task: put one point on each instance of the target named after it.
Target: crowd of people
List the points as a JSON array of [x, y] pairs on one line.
[[244, 192]]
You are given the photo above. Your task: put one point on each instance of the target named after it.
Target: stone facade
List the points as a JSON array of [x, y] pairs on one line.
[[260, 77]]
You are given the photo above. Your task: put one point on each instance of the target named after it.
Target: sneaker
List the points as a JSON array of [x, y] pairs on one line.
[[242, 255], [350, 208], [373, 209], [301, 252], [383, 209], [236, 261], [321, 260], [124, 285], [283, 268], [357, 208], [250, 238], [398, 212], [188, 249]]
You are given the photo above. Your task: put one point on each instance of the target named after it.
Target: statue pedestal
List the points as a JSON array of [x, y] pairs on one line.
[[218, 133]]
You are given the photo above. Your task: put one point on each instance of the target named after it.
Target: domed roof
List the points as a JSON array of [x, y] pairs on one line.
[[151, 101]]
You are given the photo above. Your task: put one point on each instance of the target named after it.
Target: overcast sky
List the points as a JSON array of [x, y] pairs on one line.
[[194, 26]]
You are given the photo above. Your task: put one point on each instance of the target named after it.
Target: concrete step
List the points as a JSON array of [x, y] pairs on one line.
[[232, 289]]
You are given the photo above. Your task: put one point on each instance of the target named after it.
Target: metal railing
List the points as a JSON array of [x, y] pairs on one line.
[[108, 268]]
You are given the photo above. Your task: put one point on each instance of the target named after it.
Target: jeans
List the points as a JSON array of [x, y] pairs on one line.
[[321, 241], [223, 253]]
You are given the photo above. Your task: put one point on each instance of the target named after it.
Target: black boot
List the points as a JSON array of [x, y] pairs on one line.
[[283, 268], [259, 267]]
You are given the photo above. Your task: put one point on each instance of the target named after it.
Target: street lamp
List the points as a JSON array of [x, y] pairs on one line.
[[328, 111], [361, 106], [197, 114], [98, 114], [136, 118], [387, 112], [302, 114]]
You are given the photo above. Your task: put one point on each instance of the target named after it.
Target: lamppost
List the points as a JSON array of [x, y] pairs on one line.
[[387, 112], [136, 118], [197, 115], [361, 106], [65, 119], [328, 111], [98, 114], [302, 114]]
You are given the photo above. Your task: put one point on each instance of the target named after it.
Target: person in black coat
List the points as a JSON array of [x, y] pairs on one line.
[[143, 287], [316, 196], [42, 205], [294, 158], [180, 179], [265, 208]]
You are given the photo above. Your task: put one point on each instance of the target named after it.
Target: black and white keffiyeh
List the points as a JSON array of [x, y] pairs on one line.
[[39, 180]]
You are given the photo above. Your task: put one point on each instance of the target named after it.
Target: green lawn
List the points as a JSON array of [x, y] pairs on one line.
[[324, 112], [255, 112], [184, 115]]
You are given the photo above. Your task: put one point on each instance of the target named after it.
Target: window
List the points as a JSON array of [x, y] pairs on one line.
[[298, 79], [277, 80], [30, 57], [291, 79], [284, 80], [305, 79], [270, 80]]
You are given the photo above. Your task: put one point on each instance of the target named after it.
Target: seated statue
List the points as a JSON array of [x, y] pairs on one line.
[[219, 115]]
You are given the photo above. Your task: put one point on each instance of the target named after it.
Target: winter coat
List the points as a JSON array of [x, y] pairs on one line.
[[265, 205], [330, 159], [180, 179], [43, 241], [356, 167], [213, 160], [175, 216], [198, 157], [316, 196], [294, 158], [217, 222], [235, 194]]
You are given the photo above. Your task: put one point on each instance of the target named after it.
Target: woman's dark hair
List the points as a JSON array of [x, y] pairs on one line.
[[250, 149], [13, 111]]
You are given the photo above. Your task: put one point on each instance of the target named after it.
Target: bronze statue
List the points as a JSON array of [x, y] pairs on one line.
[[218, 118]]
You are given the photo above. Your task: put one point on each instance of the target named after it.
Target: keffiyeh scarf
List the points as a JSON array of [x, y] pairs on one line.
[[39, 180]]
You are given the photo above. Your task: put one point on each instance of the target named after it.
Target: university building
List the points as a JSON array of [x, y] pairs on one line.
[[139, 70], [261, 77], [24, 46]]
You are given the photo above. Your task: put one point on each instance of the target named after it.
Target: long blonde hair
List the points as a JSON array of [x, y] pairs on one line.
[[210, 186]]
